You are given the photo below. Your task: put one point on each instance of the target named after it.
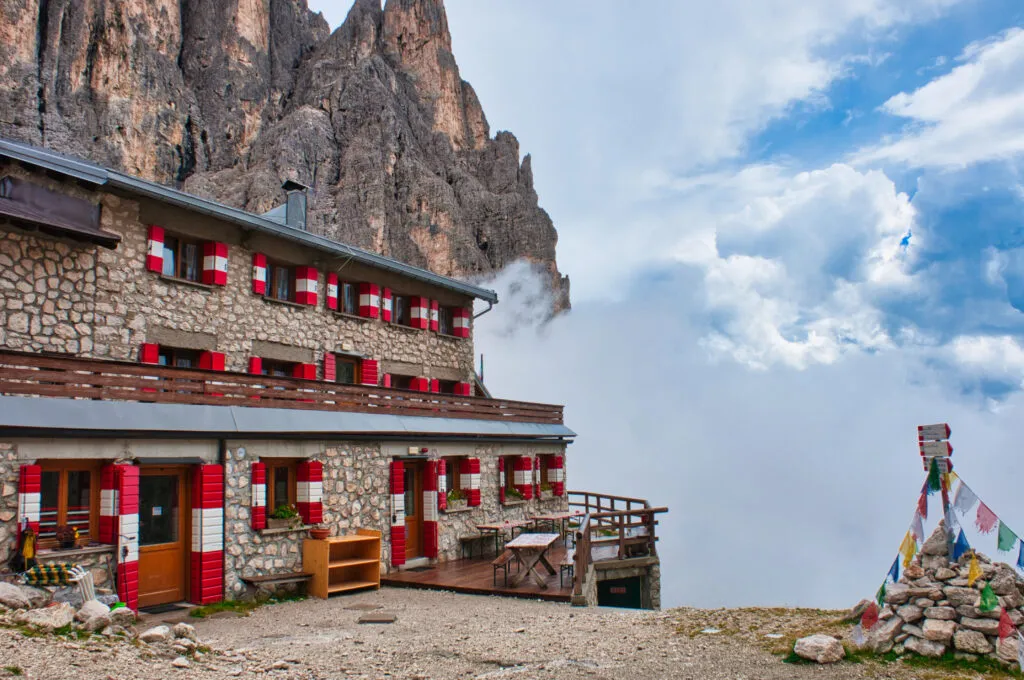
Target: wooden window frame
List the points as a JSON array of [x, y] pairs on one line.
[[356, 364], [344, 286], [267, 364], [510, 471], [273, 272], [398, 302], [273, 464], [447, 386], [452, 471], [446, 320], [180, 241], [93, 467], [396, 379], [175, 353]]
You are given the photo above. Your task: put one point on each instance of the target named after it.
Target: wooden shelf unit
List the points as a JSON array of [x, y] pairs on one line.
[[342, 563]]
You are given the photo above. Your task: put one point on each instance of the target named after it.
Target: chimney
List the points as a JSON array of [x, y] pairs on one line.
[[295, 210]]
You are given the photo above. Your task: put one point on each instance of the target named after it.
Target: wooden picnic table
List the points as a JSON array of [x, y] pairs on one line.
[[498, 528], [531, 549], [561, 517]]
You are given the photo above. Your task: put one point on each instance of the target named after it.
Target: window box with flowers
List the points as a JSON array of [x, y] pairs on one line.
[[546, 492], [514, 496], [67, 536], [457, 500], [284, 517]]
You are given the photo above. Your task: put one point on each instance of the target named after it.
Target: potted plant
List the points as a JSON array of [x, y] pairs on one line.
[[457, 500], [66, 536], [283, 517], [546, 492], [513, 496], [319, 532]]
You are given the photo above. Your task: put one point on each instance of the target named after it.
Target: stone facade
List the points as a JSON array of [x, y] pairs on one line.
[[95, 302]]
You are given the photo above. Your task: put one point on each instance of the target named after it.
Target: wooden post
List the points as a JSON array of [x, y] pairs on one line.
[[933, 444]]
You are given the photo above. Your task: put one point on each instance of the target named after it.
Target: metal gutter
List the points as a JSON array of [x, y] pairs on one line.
[[100, 176]]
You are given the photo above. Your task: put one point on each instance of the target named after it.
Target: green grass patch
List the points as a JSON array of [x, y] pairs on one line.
[[14, 670], [244, 607]]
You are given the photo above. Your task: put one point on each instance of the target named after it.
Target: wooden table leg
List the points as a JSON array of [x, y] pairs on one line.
[[547, 565], [530, 558]]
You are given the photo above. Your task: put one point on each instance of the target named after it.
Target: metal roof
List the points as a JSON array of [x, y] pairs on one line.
[[91, 173], [54, 416]]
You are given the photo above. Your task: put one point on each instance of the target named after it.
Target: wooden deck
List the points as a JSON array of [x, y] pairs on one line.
[[474, 576]]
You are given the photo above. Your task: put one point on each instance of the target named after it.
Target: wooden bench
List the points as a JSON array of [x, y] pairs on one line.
[[466, 544], [503, 562], [567, 566], [254, 584]]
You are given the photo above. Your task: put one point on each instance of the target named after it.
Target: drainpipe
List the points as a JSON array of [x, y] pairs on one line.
[[490, 306]]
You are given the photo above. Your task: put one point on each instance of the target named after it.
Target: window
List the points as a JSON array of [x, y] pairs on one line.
[[510, 469], [401, 382], [278, 369], [451, 472], [178, 358], [445, 321], [402, 313], [70, 496], [349, 298], [447, 386], [281, 482], [346, 370], [280, 282], [183, 258]]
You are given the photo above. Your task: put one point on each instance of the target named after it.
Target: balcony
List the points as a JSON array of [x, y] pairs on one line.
[[38, 375]]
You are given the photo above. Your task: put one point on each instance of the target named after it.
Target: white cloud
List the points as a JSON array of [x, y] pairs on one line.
[[990, 356], [972, 114]]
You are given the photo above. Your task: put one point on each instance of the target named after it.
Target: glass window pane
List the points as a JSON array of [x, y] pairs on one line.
[[79, 499], [410, 492], [190, 262], [280, 486], [445, 321], [282, 283], [48, 501], [158, 509], [349, 298], [346, 372]]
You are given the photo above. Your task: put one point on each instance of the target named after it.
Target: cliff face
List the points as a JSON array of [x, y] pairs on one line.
[[228, 98]]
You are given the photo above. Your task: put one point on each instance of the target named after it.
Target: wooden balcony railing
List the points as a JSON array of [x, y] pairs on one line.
[[24, 373], [611, 528]]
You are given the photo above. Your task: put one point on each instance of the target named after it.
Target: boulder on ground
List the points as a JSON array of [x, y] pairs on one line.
[[819, 648], [93, 615], [157, 634], [122, 616], [880, 639], [184, 630], [925, 647], [14, 597], [57, 615], [972, 642]]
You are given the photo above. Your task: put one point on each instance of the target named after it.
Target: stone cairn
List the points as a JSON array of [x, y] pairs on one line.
[[932, 610]]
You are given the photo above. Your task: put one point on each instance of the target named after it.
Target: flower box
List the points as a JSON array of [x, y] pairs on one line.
[[458, 504], [288, 523], [546, 495]]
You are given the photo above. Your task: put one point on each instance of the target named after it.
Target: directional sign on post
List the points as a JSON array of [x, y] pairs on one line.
[[932, 449], [933, 432]]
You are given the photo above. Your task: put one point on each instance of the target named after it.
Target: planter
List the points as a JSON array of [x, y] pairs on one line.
[[546, 495], [273, 523], [319, 534], [67, 545], [458, 505]]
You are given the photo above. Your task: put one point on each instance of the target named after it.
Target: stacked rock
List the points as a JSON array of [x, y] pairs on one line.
[[933, 610]]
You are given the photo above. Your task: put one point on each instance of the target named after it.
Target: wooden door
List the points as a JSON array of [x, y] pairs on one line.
[[413, 509], [164, 524]]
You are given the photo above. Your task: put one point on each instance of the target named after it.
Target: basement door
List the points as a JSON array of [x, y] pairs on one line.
[[163, 528], [413, 509]]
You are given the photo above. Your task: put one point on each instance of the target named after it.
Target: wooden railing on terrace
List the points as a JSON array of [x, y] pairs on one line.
[[25, 373], [625, 524]]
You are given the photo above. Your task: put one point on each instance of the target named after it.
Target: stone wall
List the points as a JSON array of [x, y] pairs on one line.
[[8, 502], [68, 297]]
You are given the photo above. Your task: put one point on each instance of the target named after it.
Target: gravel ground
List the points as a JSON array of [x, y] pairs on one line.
[[444, 635]]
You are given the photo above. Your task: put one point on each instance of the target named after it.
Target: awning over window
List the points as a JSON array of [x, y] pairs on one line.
[[28, 204]]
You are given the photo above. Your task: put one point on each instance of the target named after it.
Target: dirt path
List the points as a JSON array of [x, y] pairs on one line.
[[443, 635]]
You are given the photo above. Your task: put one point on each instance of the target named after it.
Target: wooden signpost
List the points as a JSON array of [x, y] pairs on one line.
[[933, 445]]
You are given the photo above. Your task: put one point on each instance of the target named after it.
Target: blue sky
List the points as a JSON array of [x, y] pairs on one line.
[[733, 184]]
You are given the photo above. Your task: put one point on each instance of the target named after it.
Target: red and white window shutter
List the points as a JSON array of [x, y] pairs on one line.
[[30, 487], [149, 353], [310, 492], [368, 372], [522, 477], [215, 263], [419, 384], [330, 367], [419, 312], [259, 273], [306, 285], [212, 361], [460, 323], [430, 509], [442, 484], [387, 305], [469, 480], [258, 506], [501, 480], [435, 316], [207, 582], [127, 481], [435, 385], [463, 389], [556, 475], [369, 300], [108, 505], [255, 366], [385, 381], [155, 249], [332, 291], [304, 371], [397, 513]]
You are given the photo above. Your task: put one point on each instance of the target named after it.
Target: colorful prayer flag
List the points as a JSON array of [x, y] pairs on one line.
[[880, 595], [908, 549], [870, 617], [986, 519], [894, 571], [989, 601], [922, 505], [934, 481], [974, 572], [961, 546], [1007, 538], [1006, 627], [917, 526], [1020, 557], [858, 635], [965, 499]]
